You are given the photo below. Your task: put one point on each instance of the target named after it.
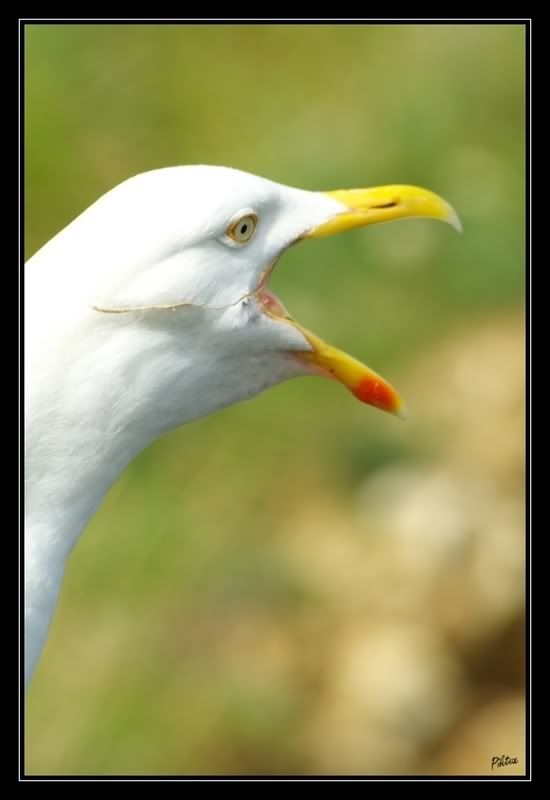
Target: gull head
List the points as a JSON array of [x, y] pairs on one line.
[[164, 282]]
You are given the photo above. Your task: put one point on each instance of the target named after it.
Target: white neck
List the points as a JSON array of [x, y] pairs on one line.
[[78, 439], [66, 484], [99, 389]]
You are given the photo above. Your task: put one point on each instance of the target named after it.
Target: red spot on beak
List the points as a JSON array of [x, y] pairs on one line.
[[378, 394]]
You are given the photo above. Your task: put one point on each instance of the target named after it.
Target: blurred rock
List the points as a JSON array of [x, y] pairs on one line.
[[452, 539], [474, 413], [391, 689], [496, 729]]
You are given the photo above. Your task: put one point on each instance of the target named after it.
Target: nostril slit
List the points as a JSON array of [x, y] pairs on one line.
[[391, 204]]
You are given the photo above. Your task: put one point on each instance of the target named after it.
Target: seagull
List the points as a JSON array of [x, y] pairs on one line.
[[152, 309]]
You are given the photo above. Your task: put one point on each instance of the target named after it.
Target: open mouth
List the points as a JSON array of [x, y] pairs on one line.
[[329, 362], [360, 207]]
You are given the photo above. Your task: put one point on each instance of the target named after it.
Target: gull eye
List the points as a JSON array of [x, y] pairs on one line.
[[241, 230]]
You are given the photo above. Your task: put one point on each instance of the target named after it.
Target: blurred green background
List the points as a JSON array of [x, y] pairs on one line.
[[301, 584]]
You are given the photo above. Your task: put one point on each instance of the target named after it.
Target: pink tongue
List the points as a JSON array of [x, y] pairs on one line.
[[272, 304]]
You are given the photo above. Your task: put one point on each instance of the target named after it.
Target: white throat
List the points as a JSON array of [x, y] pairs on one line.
[[99, 389]]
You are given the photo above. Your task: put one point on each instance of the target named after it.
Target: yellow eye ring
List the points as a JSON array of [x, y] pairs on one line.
[[242, 230]]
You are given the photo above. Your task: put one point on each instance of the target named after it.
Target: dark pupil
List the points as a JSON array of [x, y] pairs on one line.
[[244, 229]]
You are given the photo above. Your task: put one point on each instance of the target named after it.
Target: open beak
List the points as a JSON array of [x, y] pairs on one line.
[[361, 207]]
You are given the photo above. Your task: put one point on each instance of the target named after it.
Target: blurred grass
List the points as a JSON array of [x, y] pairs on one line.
[[189, 638]]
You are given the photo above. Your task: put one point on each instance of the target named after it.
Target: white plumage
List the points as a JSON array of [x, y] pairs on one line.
[[151, 309]]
